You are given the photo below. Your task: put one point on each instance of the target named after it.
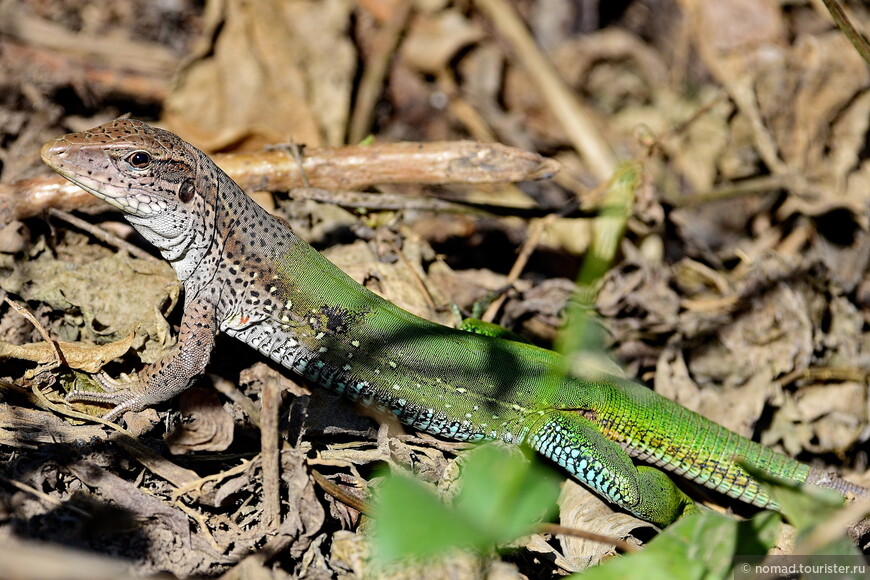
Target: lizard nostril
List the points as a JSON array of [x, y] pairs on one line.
[[54, 150]]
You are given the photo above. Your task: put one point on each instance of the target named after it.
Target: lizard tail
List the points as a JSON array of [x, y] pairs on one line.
[[831, 481]]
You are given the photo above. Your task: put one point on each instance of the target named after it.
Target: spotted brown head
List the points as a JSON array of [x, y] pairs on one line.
[[167, 189]]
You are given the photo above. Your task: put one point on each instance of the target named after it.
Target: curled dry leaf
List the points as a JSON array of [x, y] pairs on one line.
[[821, 418], [581, 509], [85, 357], [207, 426]]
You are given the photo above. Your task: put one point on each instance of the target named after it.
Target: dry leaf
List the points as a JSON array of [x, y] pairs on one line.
[[131, 296], [394, 281], [207, 426], [435, 39], [266, 72], [78, 355], [581, 509], [737, 408]]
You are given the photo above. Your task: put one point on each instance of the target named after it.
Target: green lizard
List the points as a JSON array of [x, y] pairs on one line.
[[247, 274]]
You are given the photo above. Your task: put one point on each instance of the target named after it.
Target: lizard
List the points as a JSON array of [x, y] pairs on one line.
[[247, 274]]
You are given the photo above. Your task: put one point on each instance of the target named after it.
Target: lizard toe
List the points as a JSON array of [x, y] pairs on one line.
[[123, 401]]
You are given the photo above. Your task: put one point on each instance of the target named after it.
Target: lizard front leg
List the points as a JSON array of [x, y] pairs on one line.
[[169, 376]]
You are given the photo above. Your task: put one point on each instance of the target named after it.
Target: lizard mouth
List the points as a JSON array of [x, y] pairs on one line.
[[139, 205]]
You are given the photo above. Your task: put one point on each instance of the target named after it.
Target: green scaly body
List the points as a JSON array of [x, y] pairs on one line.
[[246, 274]]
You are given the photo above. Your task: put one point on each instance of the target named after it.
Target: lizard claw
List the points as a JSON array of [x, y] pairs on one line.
[[122, 393], [125, 383]]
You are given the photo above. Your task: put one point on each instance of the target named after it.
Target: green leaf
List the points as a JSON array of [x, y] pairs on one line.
[[502, 496], [506, 493], [410, 521], [698, 547], [812, 511], [802, 505]]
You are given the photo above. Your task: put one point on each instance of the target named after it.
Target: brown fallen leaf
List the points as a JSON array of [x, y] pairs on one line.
[[208, 426], [291, 67], [434, 39], [580, 508], [89, 358]]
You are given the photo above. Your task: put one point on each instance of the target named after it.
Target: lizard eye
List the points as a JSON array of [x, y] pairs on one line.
[[139, 159]]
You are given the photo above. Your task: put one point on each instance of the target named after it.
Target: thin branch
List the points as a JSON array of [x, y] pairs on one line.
[[845, 25]]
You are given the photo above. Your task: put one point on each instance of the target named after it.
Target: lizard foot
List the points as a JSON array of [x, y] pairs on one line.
[[121, 393]]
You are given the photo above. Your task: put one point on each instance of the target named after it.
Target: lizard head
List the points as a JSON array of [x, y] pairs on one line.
[[141, 170], [165, 187]]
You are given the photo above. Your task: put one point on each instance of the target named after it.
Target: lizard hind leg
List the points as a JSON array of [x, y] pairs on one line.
[[574, 443], [660, 495]]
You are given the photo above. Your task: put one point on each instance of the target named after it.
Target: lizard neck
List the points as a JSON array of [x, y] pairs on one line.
[[197, 252]]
